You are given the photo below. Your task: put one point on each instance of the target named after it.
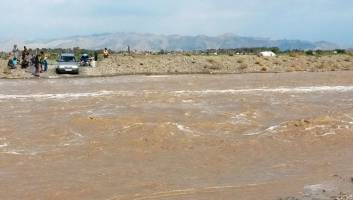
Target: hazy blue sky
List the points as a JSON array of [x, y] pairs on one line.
[[314, 20]]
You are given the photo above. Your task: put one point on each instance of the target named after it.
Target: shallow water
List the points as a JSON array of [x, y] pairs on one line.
[[174, 137]]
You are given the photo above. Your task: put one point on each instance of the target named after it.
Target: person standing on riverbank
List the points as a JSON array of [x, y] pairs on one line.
[[25, 58], [15, 52], [105, 53], [95, 56], [37, 65], [41, 61], [45, 64], [38, 62]]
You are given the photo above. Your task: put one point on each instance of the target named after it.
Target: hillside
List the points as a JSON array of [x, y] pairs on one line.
[[154, 42]]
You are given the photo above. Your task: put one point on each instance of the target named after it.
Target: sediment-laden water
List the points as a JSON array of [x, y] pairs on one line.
[[251, 136]]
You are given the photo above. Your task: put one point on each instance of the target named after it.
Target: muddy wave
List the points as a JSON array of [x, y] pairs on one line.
[[312, 89]]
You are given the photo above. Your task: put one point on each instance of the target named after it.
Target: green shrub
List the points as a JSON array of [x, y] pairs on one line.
[[4, 55], [310, 53], [341, 51]]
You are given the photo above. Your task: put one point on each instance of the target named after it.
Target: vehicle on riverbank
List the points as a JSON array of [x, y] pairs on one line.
[[67, 64], [85, 60]]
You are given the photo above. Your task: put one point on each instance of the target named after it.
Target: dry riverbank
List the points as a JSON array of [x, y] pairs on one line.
[[185, 64]]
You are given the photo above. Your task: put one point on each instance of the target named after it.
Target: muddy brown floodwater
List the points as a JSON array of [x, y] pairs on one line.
[[250, 136]]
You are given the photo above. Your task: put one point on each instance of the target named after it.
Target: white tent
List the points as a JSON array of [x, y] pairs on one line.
[[267, 54]]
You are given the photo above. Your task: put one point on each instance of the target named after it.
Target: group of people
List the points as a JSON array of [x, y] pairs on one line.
[[28, 59]]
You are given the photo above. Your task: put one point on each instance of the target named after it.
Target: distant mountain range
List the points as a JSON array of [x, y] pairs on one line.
[[154, 42]]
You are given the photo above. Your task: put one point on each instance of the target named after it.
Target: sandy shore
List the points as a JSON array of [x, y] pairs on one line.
[[200, 64]]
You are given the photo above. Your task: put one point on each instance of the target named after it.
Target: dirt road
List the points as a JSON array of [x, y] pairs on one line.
[[250, 136]]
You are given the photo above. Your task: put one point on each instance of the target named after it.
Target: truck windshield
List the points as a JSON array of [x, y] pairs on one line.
[[68, 59]]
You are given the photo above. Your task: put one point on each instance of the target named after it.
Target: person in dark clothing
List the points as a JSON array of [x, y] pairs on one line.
[[95, 56], [32, 59], [41, 61], [37, 64], [25, 58]]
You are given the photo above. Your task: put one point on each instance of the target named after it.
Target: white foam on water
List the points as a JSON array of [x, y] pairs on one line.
[[77, 134], [64, 95], [76, 139], [21, 152], [133, 125], [180, 92], [270, 129], [15, 152], [12, 152], [316, 127], [241, 118], [158, 76], [327, 134], [4, 145], [184, 129], [311, 89]]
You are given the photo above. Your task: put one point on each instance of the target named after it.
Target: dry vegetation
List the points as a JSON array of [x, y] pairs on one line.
[[7, 73], [165, 64], [185, 64]]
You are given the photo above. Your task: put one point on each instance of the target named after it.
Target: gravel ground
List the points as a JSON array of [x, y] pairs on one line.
[[199, 64]]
